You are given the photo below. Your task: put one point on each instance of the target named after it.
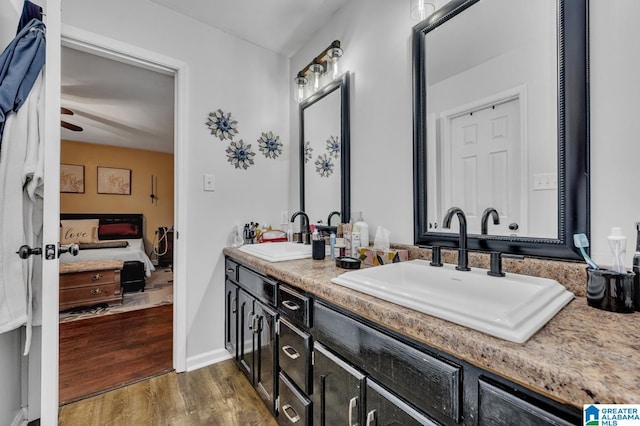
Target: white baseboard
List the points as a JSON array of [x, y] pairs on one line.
[[208, 358], [21, 418]]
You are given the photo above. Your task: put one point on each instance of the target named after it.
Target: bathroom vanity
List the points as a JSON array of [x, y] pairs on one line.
[[323, 354]]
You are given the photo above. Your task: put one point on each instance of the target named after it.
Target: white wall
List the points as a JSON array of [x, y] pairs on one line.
[[223, 72], [10, 376], [376, 38]]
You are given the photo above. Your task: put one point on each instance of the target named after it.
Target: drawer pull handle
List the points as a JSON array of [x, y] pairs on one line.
[[230, 270], [353, 404], [96, 277], [293, 418], [290, 352], [290, 305], [96, 291], [371, 418]]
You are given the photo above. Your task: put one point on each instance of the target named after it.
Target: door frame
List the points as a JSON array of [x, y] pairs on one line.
[[112, 49], [123, 52], [446, 117]]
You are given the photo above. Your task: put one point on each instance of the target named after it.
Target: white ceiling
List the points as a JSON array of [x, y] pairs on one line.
[[123, 105]]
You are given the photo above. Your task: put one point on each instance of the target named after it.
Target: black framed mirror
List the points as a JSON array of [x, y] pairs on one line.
[[324, 152], [453, 104]]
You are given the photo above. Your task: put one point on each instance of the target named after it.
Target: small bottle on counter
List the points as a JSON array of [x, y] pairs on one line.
[[332, 245]]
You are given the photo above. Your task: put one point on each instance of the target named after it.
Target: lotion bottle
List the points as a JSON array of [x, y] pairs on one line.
[[363, 227]]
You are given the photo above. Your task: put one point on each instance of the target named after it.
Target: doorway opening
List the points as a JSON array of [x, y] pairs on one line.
[[125, 150]]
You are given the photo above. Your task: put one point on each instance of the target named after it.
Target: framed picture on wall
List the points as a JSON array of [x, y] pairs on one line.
[[72, 178], [114, 181]]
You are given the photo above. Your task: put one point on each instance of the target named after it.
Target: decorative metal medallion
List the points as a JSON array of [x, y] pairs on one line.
[[240, 155], [221, 125], [270, 145], [308, 151], [324, 165], [333, 146]]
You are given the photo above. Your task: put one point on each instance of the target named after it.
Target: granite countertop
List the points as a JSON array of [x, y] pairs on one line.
[[583, 355], [94, 265]]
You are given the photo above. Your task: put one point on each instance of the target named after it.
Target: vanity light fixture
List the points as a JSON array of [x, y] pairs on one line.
[[420, 9], [326, 61]]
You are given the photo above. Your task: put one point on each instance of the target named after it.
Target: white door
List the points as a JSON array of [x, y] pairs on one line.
[[485, 165], [47, 365]]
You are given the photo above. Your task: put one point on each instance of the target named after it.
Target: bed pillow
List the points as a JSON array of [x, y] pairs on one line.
[[117, 230], [78, 231]]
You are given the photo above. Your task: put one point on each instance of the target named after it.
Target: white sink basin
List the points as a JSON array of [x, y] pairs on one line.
[[278, 252], [511, 308]]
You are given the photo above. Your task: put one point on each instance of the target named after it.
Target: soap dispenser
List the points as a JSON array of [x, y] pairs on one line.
[[363, 228]]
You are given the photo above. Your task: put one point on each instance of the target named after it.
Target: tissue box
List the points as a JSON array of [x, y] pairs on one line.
[[375, 257]]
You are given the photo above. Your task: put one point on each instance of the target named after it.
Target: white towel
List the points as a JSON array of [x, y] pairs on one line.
[[21, 171]]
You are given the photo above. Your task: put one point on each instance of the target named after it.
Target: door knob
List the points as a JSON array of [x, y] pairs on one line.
[[25, 251], [513, 226], [72, 249]]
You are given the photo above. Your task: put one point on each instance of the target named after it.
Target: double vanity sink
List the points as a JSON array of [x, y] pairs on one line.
[[511, 308]]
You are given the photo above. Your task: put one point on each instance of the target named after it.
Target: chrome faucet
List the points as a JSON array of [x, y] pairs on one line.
[[304, 227], [463, 258], [332, 214], [484, 225]]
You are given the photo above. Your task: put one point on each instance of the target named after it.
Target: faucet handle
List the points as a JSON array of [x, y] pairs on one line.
[[496, 262], [436, 259]]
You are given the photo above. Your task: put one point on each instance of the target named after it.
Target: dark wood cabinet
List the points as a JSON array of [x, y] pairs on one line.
[[89, 283], [313, 362], [338, 393]]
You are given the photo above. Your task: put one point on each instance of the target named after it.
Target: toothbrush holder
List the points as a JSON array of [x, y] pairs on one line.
[[610, 291]]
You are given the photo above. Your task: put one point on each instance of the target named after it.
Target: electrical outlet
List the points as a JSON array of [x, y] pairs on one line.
[[284, 217], [209, 182]]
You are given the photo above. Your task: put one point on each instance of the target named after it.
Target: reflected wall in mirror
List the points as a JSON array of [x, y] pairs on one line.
[[500, 120], [324, 152]]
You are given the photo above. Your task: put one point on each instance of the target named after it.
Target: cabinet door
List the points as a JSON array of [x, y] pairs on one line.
[[265, 361], [246, 324], [231, 318], [337, 390], [385, 409]]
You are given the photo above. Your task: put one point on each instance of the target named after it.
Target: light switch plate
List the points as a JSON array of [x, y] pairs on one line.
[[209, 182]]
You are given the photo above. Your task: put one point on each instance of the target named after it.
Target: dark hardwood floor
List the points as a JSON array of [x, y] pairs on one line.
[[98, 354], [215, 395]]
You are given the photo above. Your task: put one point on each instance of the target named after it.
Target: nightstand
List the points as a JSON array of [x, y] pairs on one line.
[[90, 283]]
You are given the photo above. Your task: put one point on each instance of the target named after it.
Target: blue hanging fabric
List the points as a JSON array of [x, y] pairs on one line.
[[20, 65], [29, 11]]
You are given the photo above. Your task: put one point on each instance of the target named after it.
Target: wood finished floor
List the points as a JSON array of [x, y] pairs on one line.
[[107, 352], [215, 395]]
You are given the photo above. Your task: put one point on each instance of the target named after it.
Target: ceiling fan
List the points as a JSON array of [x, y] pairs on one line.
[[67, 125]]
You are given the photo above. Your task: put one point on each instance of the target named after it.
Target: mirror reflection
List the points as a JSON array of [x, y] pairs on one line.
[[492, 117], [324, 153]]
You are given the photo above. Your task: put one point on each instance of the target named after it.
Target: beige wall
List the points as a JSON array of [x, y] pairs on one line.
[[142, 165]]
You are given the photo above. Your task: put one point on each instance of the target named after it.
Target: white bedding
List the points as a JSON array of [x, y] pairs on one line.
[[134, 251]]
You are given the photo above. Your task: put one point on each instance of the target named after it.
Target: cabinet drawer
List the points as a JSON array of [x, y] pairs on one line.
[[90, 295], [258, 285], [88, 278], [294, 408], [295, 354], [294, 305], [499, 407], [231, 269], [429, 383]]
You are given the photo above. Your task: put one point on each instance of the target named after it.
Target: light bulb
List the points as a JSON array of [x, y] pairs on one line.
[[317, 70], [334, 54], [300, 82], [421, 9]]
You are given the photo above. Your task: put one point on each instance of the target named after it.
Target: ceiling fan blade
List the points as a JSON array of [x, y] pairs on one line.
[[70, 126], [65, 111]]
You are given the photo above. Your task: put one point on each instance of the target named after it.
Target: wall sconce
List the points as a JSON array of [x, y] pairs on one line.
[[421, 9], [326, 61]]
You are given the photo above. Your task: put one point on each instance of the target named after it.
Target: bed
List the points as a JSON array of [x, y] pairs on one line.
[[117, 236]]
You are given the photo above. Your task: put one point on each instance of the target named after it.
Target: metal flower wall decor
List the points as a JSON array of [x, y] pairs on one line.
[[221, 125], [240, 154], [308, 151], [333, 146], [270, 145], [324, 165]]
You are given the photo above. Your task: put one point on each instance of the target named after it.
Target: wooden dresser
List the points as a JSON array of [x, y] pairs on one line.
[[90, 283]]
